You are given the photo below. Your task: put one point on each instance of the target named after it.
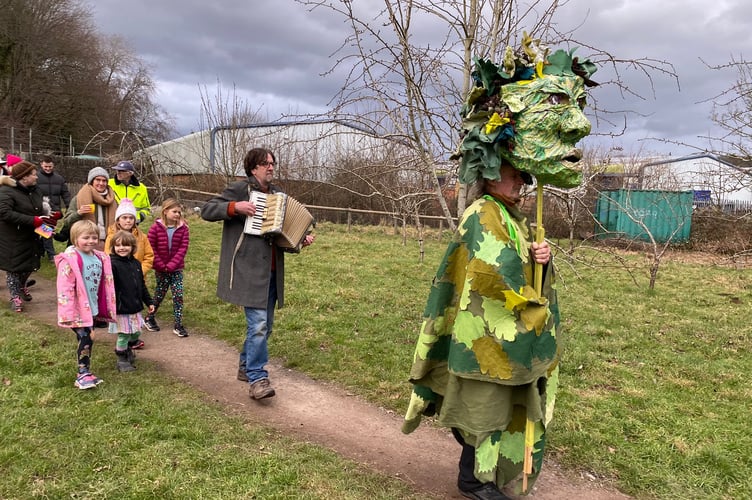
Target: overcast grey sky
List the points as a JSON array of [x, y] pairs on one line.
[[274, 51]]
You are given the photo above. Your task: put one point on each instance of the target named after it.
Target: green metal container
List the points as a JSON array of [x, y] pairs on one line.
[[623, 213]]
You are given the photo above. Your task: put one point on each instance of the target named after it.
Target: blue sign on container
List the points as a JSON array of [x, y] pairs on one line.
[[702, 195]]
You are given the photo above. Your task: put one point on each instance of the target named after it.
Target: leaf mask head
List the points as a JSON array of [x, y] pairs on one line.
[[528, 113], [549, 121]]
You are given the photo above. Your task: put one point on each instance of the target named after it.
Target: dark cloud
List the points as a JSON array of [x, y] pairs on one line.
[[689, 34], [264, 46], [274, 52]]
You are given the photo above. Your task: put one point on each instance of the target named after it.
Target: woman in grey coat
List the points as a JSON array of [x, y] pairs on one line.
[[251, 267]]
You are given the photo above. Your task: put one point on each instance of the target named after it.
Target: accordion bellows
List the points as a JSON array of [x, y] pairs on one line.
[[279, 216]]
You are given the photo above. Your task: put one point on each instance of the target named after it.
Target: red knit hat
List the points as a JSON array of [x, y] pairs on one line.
[[13, 159]]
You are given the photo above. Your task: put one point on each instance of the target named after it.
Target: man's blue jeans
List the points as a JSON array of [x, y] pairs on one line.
[[259, 322]]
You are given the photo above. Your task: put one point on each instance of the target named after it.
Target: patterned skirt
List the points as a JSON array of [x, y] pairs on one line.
[[126, 323]]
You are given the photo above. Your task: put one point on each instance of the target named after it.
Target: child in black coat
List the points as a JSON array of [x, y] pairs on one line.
[[131, 294]]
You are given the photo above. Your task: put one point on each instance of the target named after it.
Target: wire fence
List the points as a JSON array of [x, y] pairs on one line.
[[734, 207], [30, 143]]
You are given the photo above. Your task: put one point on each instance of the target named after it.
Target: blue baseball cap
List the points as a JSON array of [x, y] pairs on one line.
[[124, 165]]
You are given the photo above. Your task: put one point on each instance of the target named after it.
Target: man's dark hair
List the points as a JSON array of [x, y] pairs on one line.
[[254, 158], [47, 159]]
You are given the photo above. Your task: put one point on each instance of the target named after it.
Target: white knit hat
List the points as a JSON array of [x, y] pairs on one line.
[[97, 172], [126, 208]]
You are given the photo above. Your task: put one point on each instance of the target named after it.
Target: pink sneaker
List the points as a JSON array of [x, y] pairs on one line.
[[87, 381], [16, 304]]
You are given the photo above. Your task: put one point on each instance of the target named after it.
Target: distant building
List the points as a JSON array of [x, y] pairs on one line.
[[714, 179], [305, 150]]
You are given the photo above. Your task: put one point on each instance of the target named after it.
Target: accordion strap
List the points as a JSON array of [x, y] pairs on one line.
[[237, 246]]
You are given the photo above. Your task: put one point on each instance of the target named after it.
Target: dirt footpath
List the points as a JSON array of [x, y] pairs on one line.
[[327, 415]]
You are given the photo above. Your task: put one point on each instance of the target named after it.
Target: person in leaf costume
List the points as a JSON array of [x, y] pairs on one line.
[[486, 361]]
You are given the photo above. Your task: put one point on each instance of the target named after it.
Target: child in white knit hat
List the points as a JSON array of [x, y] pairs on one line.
[[125, 220]]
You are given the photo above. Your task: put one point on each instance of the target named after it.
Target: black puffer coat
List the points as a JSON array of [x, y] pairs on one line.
[[131, 292], [19, 244], [54, 186]]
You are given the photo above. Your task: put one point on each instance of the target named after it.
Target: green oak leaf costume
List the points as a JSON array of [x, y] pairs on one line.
[[487, 356]]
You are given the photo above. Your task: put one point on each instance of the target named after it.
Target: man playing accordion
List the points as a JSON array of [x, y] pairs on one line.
[[251, 267]]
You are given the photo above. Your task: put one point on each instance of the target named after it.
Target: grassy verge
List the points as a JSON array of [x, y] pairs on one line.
[[654, 391], [145, 436], [656, 385]]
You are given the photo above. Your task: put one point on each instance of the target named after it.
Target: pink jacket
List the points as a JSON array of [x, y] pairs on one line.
[[73, 308], [168, 261]]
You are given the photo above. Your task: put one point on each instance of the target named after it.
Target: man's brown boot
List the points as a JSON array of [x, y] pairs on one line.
[[261, 389]]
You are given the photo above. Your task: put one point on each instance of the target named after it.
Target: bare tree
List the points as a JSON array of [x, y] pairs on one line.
[[387, 176], [732, 111], [43, 47], [59, 77], [126, 80], [231, 114], [408, 66]]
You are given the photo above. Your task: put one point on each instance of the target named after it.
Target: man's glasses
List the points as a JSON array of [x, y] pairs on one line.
[[268, 164]]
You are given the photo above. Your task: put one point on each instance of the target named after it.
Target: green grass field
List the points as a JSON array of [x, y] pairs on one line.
[[654, 392]]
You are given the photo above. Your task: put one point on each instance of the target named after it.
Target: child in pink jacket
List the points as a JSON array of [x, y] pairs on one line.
[[85, 291], [169, 239]]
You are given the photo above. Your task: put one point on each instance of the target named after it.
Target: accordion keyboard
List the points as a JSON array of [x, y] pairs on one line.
[[269, 216], [257, 220]]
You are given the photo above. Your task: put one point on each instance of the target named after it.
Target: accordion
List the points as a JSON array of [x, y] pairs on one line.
[[279, 216]]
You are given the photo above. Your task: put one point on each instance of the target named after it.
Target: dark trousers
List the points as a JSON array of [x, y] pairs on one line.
[[466, 480], [48, 247]]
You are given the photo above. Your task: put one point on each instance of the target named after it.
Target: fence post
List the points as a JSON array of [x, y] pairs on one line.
[[420, 228], [349, 220]]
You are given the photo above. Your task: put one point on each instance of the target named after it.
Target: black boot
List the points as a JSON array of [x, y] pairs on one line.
[[123, 363], [131, 352], [488, 491], [131, 355]]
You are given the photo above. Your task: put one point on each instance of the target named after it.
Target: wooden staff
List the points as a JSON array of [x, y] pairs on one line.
[[527, 463], [540, 235]]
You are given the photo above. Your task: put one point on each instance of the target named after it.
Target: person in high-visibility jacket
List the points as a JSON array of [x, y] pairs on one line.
[[125, 184]]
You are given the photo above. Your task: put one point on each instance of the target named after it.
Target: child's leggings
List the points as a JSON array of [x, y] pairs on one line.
[[126, 341], [173, 281], [16, 282], [85, 343]]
